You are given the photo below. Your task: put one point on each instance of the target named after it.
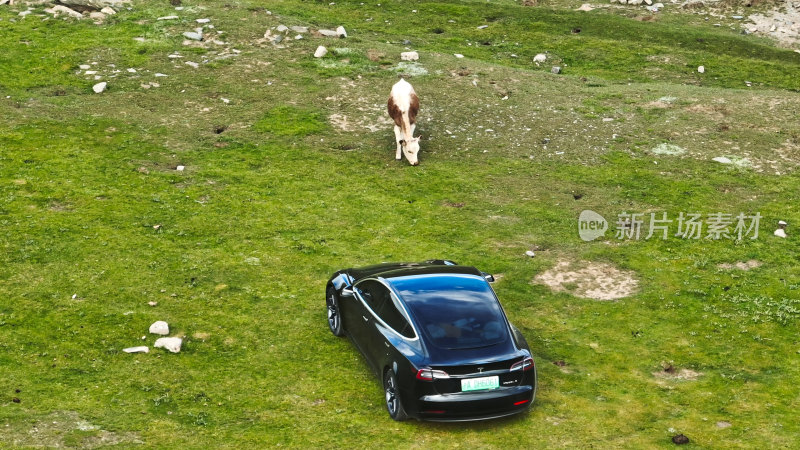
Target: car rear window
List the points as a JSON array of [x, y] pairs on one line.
[[453, 311]]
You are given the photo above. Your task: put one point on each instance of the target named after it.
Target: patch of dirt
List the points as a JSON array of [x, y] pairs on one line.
[[598, 281], [53, 429], [741, 265], [340, 121], [781, 24], [669, 372]]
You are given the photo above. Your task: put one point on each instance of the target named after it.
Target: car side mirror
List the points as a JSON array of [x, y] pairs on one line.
[[346, 292], [489, 277]]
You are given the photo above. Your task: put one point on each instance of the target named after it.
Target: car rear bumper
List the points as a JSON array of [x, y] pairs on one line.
[[466, 406]]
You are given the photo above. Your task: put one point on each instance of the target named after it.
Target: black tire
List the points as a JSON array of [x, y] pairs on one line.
[[392, 396], [333, 311]]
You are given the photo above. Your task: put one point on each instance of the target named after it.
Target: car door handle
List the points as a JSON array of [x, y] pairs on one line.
[[366, 319]]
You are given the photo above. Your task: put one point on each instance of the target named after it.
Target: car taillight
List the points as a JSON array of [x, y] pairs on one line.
[[525, 364], [431, 374]]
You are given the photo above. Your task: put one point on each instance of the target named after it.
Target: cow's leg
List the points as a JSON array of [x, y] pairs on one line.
[[398, 136]]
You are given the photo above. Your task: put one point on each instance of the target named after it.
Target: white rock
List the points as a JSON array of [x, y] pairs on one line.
[[299, 36], [341, 31], [530, 253], [131, 70], [180, 169], [483, 27], [458, 55], [159, 327], [321, 51], [192, 64], [108, 10], [540, 58], [781, 222], [658, 5], [701, 69], [90, 72], [61, 9], [84, 66], [585, 7], [142, 349], [97, 15], [160, 75], [649, 2], [25, 13], [328, 33], [299, 29], [193, 35], [722, 159], [99, 87], [167, 18], [203, 20], [623, 2], [780, 232], [409, 56], [281, 28], [172, 344]]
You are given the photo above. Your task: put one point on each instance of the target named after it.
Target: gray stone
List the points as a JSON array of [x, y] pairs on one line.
[[723, 160], [556, 70], [281, 28], [109, 11], [341, 31], [159, 327], [328, 33], [299, 29], [97, 16], [172, 344], [167, 18], [95, 4], [321, 51], [99, 87], [202, 20], [193, 36]]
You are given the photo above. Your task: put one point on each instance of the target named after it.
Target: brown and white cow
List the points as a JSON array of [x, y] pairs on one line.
[[403, 107]]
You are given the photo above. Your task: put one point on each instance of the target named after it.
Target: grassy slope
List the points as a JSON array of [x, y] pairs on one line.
[[267, 209]]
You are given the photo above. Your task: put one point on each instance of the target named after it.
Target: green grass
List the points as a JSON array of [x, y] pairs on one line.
[[276, 195]]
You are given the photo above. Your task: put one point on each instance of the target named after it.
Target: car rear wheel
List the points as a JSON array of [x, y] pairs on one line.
[[334, 313], [393, 403]]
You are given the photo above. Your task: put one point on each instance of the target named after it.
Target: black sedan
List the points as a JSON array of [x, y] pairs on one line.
[[436, 335]]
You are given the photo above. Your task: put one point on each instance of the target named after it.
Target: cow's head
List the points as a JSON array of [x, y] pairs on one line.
[[410, 149]]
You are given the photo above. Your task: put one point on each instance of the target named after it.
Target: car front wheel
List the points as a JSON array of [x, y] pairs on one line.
[[392, 392], [334, 312]]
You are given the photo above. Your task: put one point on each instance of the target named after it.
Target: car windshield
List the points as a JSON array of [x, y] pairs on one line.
[[453, 311]]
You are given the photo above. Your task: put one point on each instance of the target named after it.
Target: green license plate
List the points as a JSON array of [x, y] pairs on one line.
[[477, 384]]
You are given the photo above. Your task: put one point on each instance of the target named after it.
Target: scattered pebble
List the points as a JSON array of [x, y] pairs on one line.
[[530, 253], [203, 20], [141, 349], [84, 66], [458, 55], [192, 64], [167, 18], [321, 51], [159, 327], [540, 58], [281, 28], [299, 29], [701, 69], [152, 303], [180, 168], [556, 70], [341, 31], [483, 27], [328, 33], [160, 75], [173, 344], [723, 160], [99, 87]]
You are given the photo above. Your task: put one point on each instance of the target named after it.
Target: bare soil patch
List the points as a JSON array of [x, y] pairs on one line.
[[741, 265], [598, 281]]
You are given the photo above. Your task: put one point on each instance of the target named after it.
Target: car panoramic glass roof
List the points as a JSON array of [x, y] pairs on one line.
[[454, 311]]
